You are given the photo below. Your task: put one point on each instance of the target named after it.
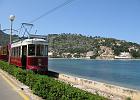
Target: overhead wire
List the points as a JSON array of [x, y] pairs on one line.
[[48, 12], [52, 10]]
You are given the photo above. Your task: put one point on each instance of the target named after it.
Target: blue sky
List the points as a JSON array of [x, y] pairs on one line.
[[107, 18]]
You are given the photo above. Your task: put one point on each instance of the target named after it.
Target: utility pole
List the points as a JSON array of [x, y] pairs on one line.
[[12, 17]]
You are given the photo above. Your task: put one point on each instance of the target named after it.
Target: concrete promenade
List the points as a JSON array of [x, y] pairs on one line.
[[7, 92], [12, 89]]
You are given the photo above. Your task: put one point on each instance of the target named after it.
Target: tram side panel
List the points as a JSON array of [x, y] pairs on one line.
[[37, 63], [16, 61], [15, 56]]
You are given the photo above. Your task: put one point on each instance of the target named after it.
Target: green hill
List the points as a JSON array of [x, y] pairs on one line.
[[4, 38], [77, 43]]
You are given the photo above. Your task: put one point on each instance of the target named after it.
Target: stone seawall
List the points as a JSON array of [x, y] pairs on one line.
[[112, 92]]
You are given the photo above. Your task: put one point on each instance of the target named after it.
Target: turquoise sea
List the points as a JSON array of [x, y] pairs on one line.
[[124, 73]]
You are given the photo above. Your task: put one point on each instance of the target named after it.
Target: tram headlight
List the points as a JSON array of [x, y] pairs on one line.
[[39, 62]]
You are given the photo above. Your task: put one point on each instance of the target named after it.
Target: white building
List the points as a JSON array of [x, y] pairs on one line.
[[124, 55], [89, 54], [50, 54]]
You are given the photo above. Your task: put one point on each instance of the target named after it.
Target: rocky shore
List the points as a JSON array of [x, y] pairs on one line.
[[112, 92]]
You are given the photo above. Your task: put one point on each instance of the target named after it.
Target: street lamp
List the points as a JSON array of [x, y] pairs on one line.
[[11, 17]]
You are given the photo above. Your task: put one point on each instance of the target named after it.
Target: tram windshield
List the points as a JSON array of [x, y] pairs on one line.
[[37, 50], [31, 50]]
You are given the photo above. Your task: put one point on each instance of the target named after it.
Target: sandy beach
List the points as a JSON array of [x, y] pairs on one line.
[[109, 91]]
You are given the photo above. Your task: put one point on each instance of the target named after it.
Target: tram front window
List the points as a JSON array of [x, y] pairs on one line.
[[46, 50], [39, 50], [31, 50]]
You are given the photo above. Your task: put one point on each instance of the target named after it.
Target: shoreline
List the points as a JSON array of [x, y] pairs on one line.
[[107, 82], [118, 83], [97, 59], [110, 91], [100, 80]]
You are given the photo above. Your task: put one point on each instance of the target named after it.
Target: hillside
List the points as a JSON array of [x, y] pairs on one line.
[[67, 43], [4, 38], [77, 43]]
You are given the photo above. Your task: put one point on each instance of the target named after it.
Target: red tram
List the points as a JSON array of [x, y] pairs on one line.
[[31, 54]]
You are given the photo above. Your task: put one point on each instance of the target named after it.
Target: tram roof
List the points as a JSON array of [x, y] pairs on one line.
[[30, 41]]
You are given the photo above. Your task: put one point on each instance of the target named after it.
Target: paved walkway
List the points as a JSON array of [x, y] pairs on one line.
[[7, 92]]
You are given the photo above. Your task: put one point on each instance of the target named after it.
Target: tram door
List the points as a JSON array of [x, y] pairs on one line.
[[24, 55]]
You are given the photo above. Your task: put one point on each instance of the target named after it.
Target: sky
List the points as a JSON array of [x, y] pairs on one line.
[[118, 19]]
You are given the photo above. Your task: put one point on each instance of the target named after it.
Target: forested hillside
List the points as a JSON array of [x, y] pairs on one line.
[[77, 43], [4, 38]]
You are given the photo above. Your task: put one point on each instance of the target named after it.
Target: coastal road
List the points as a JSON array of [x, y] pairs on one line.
[[7, 92]]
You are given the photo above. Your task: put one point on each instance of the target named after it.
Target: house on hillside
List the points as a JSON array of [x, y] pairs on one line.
[[106, 53], [50, 54], [89, 54], [124, 55], [66, 55]]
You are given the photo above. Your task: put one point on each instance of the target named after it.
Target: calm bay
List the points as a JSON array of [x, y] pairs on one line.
[[124, 73]]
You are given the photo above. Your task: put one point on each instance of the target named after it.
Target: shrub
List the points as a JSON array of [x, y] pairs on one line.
[[47, 87], [128, 98]]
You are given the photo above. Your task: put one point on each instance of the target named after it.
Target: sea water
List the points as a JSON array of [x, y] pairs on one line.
[[124, 73]]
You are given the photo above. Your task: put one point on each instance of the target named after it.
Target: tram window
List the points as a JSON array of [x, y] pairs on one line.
[[18, 51], [46, 50], [24, 50], [4, 50], [39, 50], [12, 52], [31, 50]]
